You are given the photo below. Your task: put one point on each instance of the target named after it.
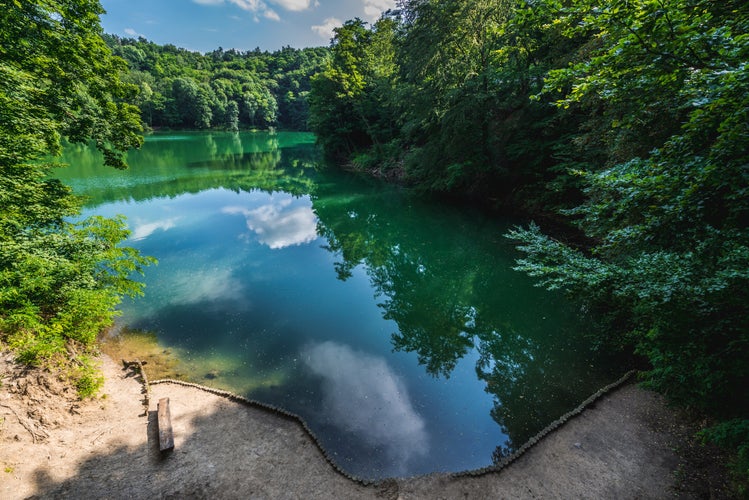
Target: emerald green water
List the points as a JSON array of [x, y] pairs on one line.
[[392, 324]]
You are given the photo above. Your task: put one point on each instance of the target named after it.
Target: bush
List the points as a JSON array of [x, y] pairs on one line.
[[733, 435], [86, 377]]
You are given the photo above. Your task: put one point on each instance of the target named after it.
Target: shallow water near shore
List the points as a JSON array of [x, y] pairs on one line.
[[392, 324]]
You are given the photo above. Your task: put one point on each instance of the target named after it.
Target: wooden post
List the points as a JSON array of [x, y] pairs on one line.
[[166, 436]]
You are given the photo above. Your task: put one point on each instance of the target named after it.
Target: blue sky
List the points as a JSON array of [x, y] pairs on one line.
[[205, 25]]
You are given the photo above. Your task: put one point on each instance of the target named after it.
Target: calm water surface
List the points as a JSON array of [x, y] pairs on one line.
[[392, 324]]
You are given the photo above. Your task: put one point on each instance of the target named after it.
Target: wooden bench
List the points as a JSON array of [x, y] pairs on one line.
[[166, 436]]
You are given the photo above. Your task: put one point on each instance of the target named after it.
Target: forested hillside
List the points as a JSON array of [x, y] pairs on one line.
[[629, 120], [225, 89]]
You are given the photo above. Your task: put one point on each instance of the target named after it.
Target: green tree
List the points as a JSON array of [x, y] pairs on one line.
[[442, 94], [670, 224], [59, 280], [147, 100], [335, 90], [350, 102], [447, 65], [270, 88], [232, 116], [191, 103]]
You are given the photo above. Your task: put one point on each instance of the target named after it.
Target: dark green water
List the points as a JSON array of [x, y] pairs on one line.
[[392, 324]]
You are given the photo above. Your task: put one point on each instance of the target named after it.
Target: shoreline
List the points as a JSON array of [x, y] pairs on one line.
[[621, 446]]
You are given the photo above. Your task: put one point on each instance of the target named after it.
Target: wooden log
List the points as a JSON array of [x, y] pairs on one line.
[[166, 436]]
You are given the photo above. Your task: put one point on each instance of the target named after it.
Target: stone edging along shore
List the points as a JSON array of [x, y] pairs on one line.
[[366, 482]]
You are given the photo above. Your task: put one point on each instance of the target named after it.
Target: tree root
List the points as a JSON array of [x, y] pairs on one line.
[[23, 423]]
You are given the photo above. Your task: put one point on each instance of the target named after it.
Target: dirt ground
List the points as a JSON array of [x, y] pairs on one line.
[[54, 446]]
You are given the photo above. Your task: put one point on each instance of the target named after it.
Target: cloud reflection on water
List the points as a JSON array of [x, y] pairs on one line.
[[281, 222], [195, 286], [362, 395], [141, 231]]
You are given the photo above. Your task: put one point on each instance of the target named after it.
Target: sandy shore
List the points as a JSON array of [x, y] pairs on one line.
[[53, 446]]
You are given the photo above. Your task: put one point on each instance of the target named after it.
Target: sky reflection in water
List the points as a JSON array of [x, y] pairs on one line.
[[383, 415], [393, 325], [280, 223]]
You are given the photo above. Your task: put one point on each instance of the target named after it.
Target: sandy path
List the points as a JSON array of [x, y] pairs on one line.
[[108, 449]]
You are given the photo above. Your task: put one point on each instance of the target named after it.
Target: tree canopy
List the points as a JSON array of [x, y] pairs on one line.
[[60, 277], [628, 120], [225, 89]]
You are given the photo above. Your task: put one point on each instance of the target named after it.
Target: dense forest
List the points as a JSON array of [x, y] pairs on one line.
[[628, 121], [225, 89]]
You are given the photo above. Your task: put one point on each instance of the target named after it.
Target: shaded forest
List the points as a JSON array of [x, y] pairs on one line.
[[628, 121]]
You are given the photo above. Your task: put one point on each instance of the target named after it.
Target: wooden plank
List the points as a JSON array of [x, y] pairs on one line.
[[166, 436]]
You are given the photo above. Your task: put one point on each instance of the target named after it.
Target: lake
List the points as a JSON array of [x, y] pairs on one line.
[[393, 324]]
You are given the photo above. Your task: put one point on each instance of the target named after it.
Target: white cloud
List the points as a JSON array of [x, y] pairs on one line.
[[142, 231], [325, 30], [131, 32], [254, 6], [271, 14], [250, 5], [362, 395], [373, 9], [261, 8], [293, 5], [193, 286]]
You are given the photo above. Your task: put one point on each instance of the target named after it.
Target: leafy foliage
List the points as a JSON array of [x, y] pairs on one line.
[[628, 120], [221, 89], [669, 213], [59, 278], [439, 93], [671, 227], [349, 99], [733, 434]]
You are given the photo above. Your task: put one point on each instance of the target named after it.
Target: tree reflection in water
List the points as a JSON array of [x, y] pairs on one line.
[[450, 296], [238, 221]]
